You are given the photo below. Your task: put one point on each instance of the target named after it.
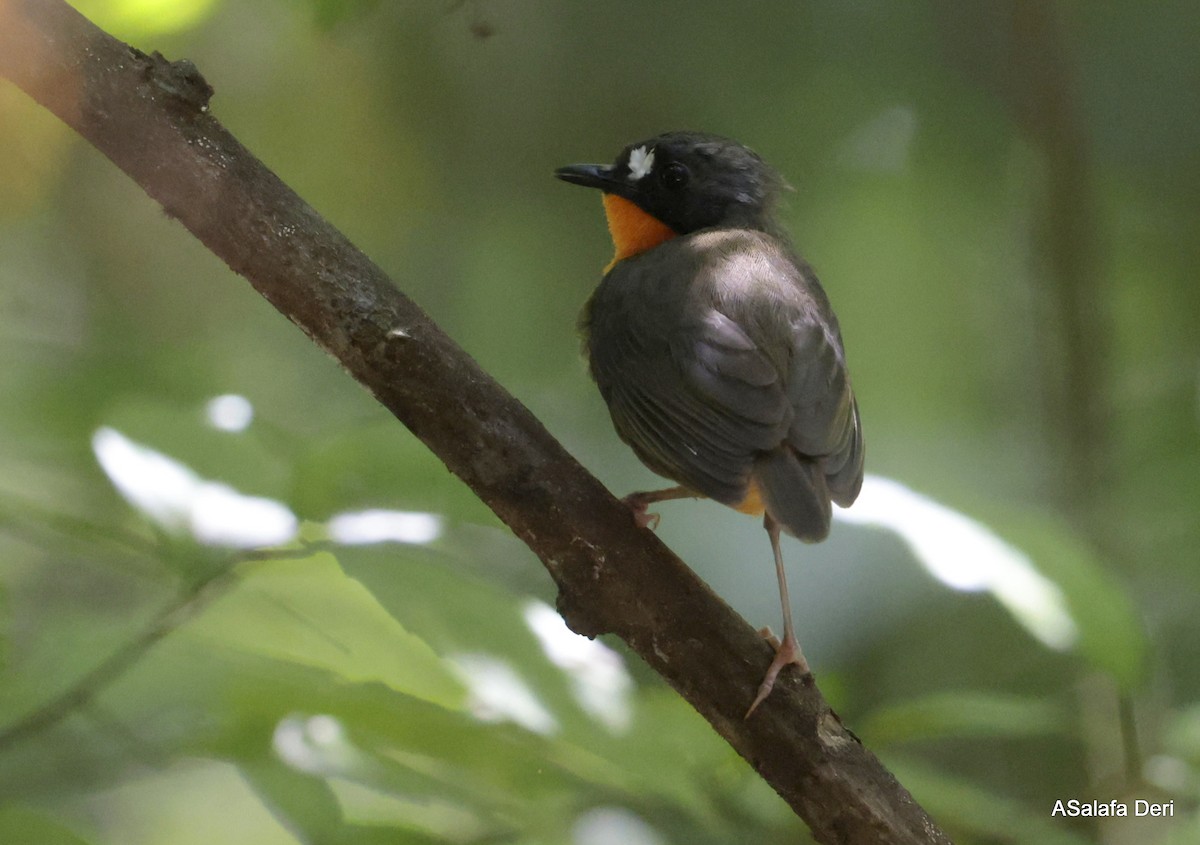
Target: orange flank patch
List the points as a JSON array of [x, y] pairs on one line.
[[632, 229], [753, 503]]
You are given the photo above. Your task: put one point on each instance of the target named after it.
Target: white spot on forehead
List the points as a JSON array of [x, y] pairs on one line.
[[641, 162]]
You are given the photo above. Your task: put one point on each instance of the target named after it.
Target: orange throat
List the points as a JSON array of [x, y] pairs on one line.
[[632, 229]]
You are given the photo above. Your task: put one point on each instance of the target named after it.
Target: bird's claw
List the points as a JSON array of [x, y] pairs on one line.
[[638, 505], [786, 653]]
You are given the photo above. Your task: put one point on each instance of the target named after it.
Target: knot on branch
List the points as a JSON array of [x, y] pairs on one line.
[[578, 615], [181, 81]]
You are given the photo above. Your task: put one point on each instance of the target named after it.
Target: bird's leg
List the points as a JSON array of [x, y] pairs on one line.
[[638, 502], [787, 651]]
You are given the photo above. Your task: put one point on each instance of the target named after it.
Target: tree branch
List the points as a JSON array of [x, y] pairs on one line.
[[151, 118]]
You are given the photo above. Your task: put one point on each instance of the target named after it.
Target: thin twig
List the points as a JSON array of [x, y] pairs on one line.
[[85, 690]]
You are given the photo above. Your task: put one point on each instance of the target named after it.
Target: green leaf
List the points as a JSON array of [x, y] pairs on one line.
[[21, 824], [309, 611], [300, 802], [1111, 635]]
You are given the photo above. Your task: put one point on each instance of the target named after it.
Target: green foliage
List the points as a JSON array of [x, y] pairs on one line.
[[347, 727], [980, 813], [20, 824], [1111, 635], [134, 19], [964, 714], [155, 689], [329, 13], [307, 611]]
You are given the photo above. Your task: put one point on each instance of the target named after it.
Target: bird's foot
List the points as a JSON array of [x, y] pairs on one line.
[[786, 653], [638, 504]]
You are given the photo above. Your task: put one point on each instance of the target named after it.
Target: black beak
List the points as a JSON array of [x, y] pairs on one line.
[[590, 176]]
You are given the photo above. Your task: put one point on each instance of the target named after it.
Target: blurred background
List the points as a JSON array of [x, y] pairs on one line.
[[240, 603]]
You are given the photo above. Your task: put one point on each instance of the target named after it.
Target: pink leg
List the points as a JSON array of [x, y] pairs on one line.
[[639, 502], [788, 651]]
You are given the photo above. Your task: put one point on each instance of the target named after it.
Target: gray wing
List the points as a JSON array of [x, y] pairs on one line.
[[825, 426], [705, 414], [699, 407]]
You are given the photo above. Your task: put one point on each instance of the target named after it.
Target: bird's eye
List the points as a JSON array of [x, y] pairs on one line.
[[674, 175]]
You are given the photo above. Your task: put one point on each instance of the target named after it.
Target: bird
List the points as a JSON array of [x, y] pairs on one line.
[[716, 350]]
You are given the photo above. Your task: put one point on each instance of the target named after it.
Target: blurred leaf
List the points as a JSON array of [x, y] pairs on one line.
[[1182, 733], [327, 14], [191, 802], [70, 617], [673, 759], [963, 714], [302, 803], [24, 825], [254, 461], [309, 611], [1111, 635], [454, 611], [234, 706], [966, 555], [140, 19], [669, 760], [378, 464]]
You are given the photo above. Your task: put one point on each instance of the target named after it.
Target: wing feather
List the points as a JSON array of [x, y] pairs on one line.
[[746, 363]]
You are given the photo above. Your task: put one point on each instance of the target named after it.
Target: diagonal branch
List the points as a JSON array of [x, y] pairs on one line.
[[151, 118]]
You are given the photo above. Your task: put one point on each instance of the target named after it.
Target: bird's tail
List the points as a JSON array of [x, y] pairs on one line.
[[794, 493]]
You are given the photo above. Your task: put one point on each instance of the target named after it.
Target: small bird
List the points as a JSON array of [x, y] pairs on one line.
[[716, 349]]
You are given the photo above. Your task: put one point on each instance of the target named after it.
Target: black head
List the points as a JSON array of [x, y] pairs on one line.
[[688, 180]]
